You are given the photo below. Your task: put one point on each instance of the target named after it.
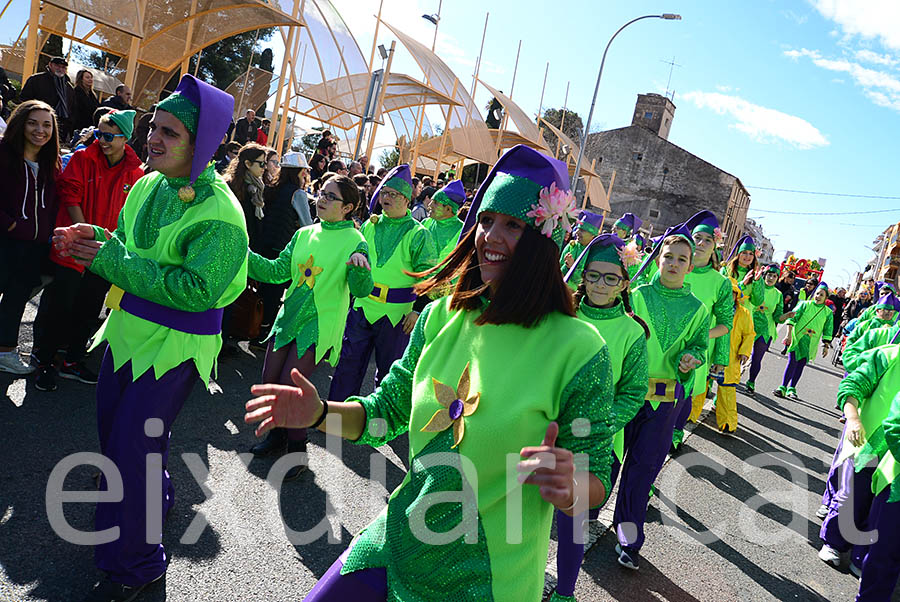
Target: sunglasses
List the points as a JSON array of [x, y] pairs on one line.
[[260, 163], [106, 136], [609, 279]]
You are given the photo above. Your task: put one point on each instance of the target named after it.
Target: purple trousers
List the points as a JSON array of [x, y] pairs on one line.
[[360, 339], [683, 409], [859, 486], [277, 369], [760, 346], [648, 438], [123, 411], [570, 551], [881, 564], [366, 585], [793, 371], [832, 482]]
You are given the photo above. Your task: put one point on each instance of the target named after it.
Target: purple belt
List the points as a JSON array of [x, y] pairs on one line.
[[191, 322], [384, 294]]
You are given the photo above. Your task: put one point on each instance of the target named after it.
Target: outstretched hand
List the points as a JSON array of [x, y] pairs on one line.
[[78, 242], [283, 405], [360, 261], [551, 468], [688, 362]]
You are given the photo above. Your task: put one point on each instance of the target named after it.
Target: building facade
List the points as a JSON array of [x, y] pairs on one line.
[[661, 182], [763, 245]]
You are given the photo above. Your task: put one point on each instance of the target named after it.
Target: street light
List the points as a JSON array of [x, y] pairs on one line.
[[433, 18], [587, 127]]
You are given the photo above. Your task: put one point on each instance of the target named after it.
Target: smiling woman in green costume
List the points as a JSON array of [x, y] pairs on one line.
[[466, 412]]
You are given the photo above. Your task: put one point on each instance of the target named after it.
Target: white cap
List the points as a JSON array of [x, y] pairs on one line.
[[294, 160]]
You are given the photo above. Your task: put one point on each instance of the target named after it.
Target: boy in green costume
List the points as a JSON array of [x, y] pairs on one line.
[[812, 322], [382, 321], [442, 222], [176, 259], [325, 263], [465, 390], [766, 317], [586, 229]]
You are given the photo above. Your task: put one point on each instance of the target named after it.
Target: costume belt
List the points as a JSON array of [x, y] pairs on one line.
[[383, 294], [190, 322], [664, 389]]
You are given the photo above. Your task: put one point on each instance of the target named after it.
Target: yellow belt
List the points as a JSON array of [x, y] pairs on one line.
[[661, 389]]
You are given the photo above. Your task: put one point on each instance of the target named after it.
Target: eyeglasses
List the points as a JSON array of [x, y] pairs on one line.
[[330, 196], [106, 136], [391, 194], [593, 277]]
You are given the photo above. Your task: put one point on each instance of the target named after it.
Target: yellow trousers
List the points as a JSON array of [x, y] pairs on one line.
[[726, 407], [697, 402]]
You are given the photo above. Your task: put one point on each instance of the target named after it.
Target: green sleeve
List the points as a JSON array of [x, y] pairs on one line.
[[779, 308], [696, 345], [828, 329], [589, 395], [891, 427], [723, 313], [360, 279], [273, 271], [860, 383], [757, 292], [213, 252], [100, 233], [391, 402], [632, 386], [423, 250]]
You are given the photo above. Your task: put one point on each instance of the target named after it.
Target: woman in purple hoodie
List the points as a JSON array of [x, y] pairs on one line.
[[29, 164]]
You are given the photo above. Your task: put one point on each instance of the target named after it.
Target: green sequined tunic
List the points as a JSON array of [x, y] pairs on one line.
[[477, 550]]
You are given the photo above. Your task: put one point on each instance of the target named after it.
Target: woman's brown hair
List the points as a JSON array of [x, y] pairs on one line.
[[581, 294], [531, 288], [79, 80], [14, 136], [733, 265], [234, 173]]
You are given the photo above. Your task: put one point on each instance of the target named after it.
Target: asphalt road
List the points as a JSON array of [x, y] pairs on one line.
[[734, 519]]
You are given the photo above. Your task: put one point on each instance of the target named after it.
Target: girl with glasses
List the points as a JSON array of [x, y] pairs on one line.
[[602, 300]]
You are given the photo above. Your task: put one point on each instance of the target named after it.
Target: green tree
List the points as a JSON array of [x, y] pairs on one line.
[[389, 158], [572, 127], [52, 47]]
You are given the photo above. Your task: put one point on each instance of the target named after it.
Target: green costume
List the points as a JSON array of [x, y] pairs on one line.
[[872, 338], [396, 245], [751, 294], [811, 323], [445, 233], [874, 384], [475, 410], [628, 354], [766, 313], [190, 256], [575, 249], [891, 426], [714, 291], [315, 309], [679, 324]]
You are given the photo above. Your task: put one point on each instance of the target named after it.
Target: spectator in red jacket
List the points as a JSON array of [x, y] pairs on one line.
[[29, 164], [262, 134], [92, 190]]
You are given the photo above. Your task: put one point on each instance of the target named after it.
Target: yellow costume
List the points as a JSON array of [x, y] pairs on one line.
[[742, 336]]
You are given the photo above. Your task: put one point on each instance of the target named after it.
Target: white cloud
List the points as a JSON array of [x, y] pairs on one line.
[[882, 87], [760, 123], [867, 56], [870, 19]]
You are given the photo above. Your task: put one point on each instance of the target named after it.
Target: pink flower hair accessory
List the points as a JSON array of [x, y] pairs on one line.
[[555, 208]]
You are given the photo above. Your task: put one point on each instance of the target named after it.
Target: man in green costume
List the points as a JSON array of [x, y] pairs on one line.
[[443, 222], [176, 259]]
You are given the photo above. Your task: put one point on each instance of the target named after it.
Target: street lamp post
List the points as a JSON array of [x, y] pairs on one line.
[[587, 127]]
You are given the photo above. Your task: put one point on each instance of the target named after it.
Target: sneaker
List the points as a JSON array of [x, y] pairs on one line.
[[627, 559], [77, 371], [110, 591], [830, 555], [855, 571], [780, 392], [726, 431], [11, 363], [295, 471], [751, 386], [822, 512], [555, 597], [45, 380], [275, 444], [791, 393]]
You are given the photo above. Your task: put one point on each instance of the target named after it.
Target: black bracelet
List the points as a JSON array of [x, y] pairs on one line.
[[322, 417]]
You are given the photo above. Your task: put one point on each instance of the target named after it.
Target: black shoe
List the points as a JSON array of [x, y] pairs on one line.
[[275, 444], [628, 558], [77, 371], [110, 591], [295, 472], [45, 380]]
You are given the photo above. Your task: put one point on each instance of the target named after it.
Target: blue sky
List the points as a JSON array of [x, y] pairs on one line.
[[795, 94]]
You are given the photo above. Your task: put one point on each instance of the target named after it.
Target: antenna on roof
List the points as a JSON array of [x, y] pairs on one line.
[[672, 64]]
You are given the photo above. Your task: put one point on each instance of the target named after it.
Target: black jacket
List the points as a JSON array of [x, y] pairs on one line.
[[280, 222], [115, 102], [83, 111], [40, 86], [245, 131]]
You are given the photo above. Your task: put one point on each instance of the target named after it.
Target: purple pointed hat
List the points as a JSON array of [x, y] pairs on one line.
[[400, 179], [744, 243], [590, 221], [453, 194], [629, 221], [206, 112], [703, 221], [606, 247]]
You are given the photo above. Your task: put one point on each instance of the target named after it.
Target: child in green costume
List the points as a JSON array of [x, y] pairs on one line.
[[679, 336], [603, 301], [586, 229], [474, 388], [442, 220], [812, 322], [766, 316], [325, 263], [742, 267]]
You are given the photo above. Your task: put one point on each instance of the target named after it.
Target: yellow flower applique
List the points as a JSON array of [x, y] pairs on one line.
[[308, 273], [457, 405]]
